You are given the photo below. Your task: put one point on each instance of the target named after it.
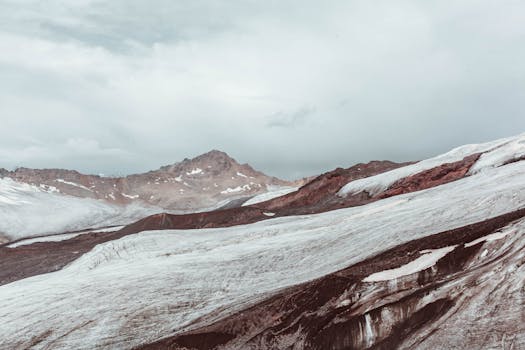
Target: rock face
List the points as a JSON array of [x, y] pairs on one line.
[[197, 184]]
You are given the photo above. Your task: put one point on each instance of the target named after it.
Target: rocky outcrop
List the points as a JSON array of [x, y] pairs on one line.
[[344, 311], [437, 176]]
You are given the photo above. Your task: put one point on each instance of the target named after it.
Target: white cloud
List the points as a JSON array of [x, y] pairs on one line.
[[345, 81]]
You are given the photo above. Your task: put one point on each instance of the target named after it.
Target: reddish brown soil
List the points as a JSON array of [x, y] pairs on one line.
[[437, 176]]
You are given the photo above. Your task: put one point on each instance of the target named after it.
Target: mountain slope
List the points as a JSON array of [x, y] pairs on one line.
[[29, 197], [432, 258], [27, 210]]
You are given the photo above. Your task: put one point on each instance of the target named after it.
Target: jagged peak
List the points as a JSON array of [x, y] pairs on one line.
[[215, 154], [212, 156]]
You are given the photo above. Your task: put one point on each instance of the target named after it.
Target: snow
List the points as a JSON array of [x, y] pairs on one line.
[[489, 238], [241, 175], [14, 193], [344, 303], [428, 259], [52, 238], [269, 214], [60, 237], [130, 196], [509, 151], [236, 189], [107, 229], [27, 211], [195, 171], [47, 188], [178, 178], [374, 185], [73, 184], [369, 334], [178, 280], [274, 193]]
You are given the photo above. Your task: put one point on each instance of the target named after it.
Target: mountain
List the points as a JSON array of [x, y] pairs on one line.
[[421, 255], [203, 182], [28, 197]]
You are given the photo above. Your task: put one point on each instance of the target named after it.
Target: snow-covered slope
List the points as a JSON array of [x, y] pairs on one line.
[[144, 287], [495, 153], [150, 285], [27, 210]]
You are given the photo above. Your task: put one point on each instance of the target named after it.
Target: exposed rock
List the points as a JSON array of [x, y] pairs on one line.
[[437, 176], [319, 194]]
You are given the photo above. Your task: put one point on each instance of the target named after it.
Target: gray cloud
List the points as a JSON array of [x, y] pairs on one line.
[[290, 120], [293, 87]]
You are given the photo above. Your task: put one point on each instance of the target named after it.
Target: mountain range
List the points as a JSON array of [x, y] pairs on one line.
[[382, 255], [206, 182]]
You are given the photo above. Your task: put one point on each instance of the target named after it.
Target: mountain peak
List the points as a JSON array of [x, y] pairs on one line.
[[214, 154]]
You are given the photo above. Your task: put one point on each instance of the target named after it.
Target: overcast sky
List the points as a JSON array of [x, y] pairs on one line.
[[292, 87]]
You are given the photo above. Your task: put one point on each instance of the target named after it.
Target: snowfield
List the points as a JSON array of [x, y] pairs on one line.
[[495, 153], [27, 211], [153, 284]]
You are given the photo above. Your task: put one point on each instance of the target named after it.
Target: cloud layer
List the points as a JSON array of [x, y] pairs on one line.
[[293, 87]]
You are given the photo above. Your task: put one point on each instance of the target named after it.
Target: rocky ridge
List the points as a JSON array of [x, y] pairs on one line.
[[204, 182]]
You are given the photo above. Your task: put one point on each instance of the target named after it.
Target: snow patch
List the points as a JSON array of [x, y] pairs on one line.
[[236, 189], [489, 238], [60, 237], [130, 196], [195, 171], [344, 303], [73, 184], [428, 258]]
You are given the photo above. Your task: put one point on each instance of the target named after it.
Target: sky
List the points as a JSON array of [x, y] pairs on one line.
[[294, 88]]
